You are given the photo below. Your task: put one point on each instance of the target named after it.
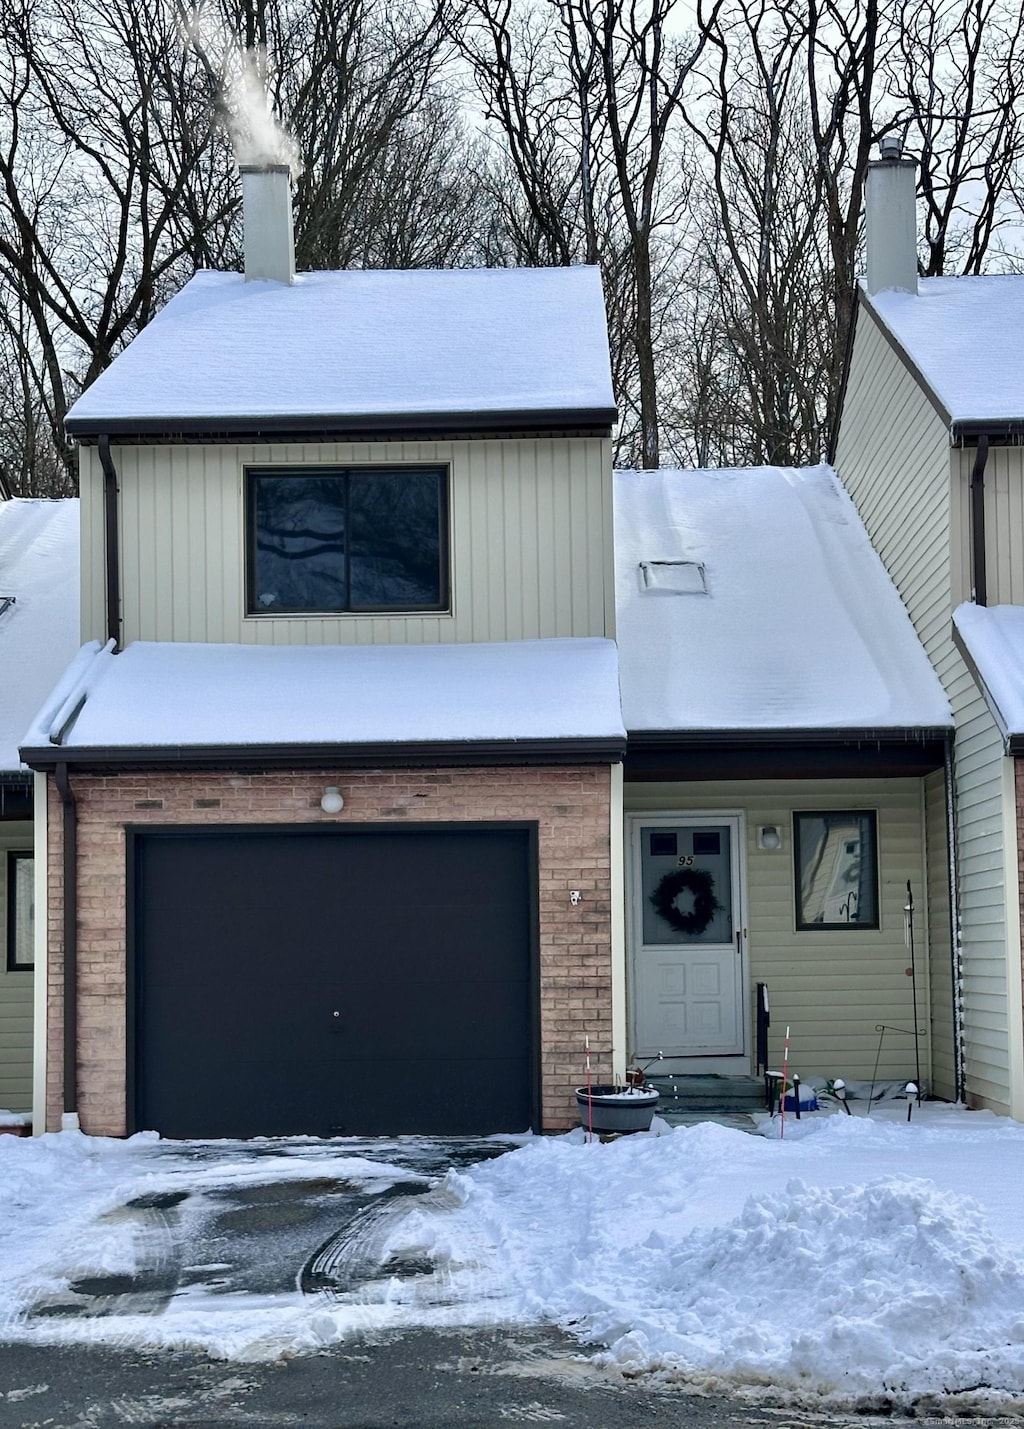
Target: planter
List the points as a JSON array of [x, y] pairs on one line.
[[609, 1109]]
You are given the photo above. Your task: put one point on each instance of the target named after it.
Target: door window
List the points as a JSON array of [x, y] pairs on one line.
[[686, 883]]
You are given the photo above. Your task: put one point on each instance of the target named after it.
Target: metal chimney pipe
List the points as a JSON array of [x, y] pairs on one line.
[[890, 202], [267, 222]]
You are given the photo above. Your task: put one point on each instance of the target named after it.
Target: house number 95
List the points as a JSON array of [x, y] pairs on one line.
[[685, 860]]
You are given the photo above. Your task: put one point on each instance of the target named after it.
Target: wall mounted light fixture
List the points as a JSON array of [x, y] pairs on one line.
[[332, 802], [769, 836]]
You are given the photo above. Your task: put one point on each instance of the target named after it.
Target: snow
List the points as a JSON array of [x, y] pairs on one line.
[[39, 631], [994, 638], [345, 345], [165, 694], [800, 627], [963, 335], [863, 1262]]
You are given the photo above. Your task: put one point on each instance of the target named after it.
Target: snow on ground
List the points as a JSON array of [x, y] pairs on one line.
[[860, 1262]]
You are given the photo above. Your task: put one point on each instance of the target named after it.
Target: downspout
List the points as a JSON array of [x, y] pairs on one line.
[[954, 928], [978, 560], [69, 824], [112, 578]]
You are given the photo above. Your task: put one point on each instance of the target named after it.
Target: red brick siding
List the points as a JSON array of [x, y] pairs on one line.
[[571, 807]]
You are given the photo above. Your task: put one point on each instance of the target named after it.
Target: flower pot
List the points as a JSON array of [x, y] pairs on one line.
[[608, 1109]]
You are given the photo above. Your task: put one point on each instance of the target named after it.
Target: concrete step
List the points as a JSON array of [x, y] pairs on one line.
[[703, 1093]]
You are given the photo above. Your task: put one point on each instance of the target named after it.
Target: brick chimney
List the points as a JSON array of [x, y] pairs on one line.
[[267, 222], [891, 211]]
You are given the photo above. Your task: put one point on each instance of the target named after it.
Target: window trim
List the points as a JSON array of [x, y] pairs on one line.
[[14, 857], [857, 926], [346, 469]]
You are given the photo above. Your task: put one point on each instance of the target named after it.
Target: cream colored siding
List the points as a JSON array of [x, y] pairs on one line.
[[530, 542], [90, 484], [1004, 524], [893, 458], [935, 907], [15, 995], [831, 988]]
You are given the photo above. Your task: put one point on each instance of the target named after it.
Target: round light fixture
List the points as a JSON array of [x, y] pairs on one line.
[[332, 802]]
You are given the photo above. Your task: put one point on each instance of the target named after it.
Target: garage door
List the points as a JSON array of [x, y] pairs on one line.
[[343, 982]]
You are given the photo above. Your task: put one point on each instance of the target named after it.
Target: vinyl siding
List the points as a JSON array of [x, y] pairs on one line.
[[15, 995], [894, 458], [831, 988], [1004, 525], [531, 534]]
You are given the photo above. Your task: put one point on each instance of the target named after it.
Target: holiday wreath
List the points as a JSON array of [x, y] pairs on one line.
[[705, 905]]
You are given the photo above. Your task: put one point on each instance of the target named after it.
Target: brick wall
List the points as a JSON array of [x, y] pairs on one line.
[[571, 807]]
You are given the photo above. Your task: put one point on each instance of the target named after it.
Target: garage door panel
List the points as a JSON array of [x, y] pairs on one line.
[[249, 942]]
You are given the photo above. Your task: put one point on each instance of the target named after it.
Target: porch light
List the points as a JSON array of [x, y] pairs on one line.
[[331, 801], [769, 836]]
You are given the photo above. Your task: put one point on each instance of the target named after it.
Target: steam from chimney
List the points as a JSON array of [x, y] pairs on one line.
[[257, 138]]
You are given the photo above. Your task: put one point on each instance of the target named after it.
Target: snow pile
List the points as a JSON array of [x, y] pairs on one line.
[[860, 1263]]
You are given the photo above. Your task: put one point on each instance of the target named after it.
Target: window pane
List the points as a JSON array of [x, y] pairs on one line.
[[299, 543], [21, 910], [396, 538], [836, 870]]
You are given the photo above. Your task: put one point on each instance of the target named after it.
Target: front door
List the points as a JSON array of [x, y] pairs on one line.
[[687, 936]]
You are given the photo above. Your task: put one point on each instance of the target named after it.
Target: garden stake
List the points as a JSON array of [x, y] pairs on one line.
[[785, 1073], [590, 1100]]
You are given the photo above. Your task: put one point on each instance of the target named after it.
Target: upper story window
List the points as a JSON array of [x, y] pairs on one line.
[[357, 539]]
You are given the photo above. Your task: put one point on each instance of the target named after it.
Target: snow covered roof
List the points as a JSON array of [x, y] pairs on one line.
[[39, 601], [963, 336], [181, 698], [991, 639], [787, 621], [351, 351]]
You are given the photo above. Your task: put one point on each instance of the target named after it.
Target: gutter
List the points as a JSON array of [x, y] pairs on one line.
[[249, 757], [69, 824], [112, 577], [775, 738], [595, 421], [978, 556]]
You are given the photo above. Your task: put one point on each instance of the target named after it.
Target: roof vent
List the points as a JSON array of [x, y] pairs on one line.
[[6, 601], [674, 577], [891, 147]]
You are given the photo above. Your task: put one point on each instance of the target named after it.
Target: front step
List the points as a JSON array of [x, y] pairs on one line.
[[710, 1093]]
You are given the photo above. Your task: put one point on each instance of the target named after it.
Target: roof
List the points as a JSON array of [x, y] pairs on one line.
[[361, 351], [185, 702], [991, 640], [800, 627], [39, 629], [963, 337]]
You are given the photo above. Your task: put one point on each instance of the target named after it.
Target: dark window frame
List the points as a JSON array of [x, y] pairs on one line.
[[346, 470], [14, 857], [855, 925]]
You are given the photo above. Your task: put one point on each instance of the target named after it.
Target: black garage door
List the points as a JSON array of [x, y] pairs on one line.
[[357, 981]]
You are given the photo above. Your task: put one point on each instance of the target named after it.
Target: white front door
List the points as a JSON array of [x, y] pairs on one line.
[[687, 937]]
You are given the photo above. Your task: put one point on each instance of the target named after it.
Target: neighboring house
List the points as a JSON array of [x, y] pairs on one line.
[[340, 781], [929, 446], [38, 635]]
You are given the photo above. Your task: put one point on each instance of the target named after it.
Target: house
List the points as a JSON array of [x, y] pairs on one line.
[[406, 753], [38, 636], [928, 444]]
